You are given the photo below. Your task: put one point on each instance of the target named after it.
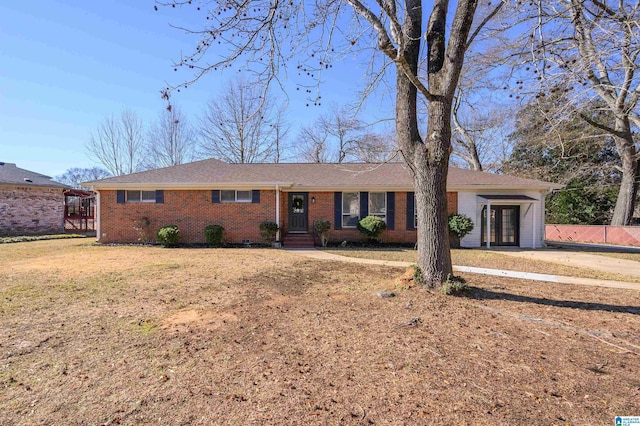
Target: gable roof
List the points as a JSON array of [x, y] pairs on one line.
[[10, 174], [215, 174]]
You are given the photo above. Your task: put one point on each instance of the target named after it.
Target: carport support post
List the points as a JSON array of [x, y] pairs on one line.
[[488, 225], [533, 241]]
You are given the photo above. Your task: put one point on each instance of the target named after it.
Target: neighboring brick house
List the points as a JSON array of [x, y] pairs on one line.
[[240, 196], [30, 203]]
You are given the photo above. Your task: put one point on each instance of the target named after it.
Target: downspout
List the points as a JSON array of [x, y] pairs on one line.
[[278, 211], [97, 219], [488, 225]]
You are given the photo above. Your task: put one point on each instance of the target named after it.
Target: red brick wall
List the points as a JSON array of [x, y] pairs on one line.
[[192, 211], [31, 211], [323, 209]]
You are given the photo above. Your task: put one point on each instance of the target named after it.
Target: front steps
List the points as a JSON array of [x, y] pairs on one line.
[[298, 241]]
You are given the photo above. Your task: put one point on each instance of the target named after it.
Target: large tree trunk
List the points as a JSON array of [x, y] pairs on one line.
[[430, 182], [428, 163], [434, 254], [625, 204]]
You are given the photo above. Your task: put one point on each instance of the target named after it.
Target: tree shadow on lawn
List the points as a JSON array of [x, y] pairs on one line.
[[485, 294]]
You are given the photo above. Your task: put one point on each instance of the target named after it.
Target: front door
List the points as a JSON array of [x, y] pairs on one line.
[[298, 216], [505, 225]]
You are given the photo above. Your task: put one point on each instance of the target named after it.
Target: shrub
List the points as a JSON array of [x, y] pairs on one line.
[[454, 286], [169, 236], [268, 231], [213, 234], [372, 227], [322, 227], [460, 225], [418, 276]]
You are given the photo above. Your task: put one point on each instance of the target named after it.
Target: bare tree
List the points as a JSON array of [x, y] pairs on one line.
[[256, 31], [590, 49], [373, 148], [281, 128], [171, 140], [480, 140], [345, 130], [118, 143], [76, 175], [242, 125], [313, 146], [337, 137]]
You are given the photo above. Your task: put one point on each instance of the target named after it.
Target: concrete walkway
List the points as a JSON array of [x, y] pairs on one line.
[[323, 255]]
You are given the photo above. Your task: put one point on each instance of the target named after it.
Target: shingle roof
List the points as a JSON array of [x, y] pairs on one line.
[[304, 176], [10, 174]]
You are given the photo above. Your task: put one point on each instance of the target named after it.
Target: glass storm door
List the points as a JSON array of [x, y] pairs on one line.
[[505, 225], [298, 216]]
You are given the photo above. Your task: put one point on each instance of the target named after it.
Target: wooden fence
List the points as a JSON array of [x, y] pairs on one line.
[[599, 234]]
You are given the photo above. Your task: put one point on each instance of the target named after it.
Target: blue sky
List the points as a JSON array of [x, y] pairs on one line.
[[66, 65]]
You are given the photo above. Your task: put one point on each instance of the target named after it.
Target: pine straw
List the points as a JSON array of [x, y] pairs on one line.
[[143, 335]]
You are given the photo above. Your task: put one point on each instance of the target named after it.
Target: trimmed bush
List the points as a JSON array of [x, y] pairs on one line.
[[372, 227], [268, 231], [214, 234], [169, 236], [460, 225], [322, 227]]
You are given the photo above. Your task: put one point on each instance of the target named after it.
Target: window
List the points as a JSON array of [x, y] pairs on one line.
[[138, 196], [233, 196], [350, 209], [378, 205]]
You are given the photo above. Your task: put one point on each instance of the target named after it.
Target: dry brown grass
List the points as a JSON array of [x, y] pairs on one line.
[[627, 256], [488, 259], [144, 335]]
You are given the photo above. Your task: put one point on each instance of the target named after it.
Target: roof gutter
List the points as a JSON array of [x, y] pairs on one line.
[[186, 186]]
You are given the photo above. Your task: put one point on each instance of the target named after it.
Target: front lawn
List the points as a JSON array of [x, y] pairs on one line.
[[143, 335]]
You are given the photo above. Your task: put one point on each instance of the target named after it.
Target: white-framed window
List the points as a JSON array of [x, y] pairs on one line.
[[378, 205], [141, 196], [350, 209], [235, 196]]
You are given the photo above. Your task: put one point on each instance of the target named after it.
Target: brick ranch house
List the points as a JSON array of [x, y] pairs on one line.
[[30, 203], [241, 196]]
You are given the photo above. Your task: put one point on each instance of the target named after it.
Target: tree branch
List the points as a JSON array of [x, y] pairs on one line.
[[602, 126], [484, 22]]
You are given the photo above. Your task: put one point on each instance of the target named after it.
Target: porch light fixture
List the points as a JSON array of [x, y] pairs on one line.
[[313, 200]]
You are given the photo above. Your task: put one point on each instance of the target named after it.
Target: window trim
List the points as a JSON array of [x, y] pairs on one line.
[[235, 196], [382, 216], [343, 214], [140, 192]]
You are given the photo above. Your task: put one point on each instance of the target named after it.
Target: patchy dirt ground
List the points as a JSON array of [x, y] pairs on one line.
[[144, 335]]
